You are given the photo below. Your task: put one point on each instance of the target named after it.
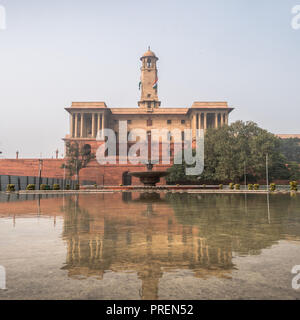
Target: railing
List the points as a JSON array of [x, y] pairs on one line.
[[21, 182]]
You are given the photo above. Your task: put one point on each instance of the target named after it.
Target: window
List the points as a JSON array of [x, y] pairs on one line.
[[148, 63], [128, 121], [148, 104], [148, 95], [182, 121], [182, 135], [149, 123], [169, 121]]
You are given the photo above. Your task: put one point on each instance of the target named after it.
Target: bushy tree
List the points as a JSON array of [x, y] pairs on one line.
[[231, 149], [294, 171], [290, 148], [78, 157], [177, 174]]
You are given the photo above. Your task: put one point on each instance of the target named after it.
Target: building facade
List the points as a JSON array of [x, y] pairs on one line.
[[87, 119]]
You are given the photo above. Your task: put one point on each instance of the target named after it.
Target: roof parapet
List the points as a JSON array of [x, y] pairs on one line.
[[88, 105]]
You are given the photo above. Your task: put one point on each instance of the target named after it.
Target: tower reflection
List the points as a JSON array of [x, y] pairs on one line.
[[155, 233]]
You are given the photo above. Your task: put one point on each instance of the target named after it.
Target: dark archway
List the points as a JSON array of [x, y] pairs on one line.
[[87, 149], [126, 179]]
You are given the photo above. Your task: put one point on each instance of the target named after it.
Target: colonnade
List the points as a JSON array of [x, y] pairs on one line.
[[80, 122], [205, 120]]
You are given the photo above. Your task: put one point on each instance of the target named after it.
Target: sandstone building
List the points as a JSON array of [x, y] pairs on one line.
[[88, 118]]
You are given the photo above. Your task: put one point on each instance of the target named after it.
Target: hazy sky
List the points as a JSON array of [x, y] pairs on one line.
[[59, 51]]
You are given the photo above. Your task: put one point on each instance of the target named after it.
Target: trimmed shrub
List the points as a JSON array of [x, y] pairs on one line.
[[77, 187], [250, 186], [231, 186], [10, 188], [30, 187], [272, 187], [56, 186], [220, 186], [294, 186], [237, 187], [256, 186], [45, 187], [67, 187]]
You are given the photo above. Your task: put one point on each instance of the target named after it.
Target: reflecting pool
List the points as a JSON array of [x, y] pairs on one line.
[[130, 245]]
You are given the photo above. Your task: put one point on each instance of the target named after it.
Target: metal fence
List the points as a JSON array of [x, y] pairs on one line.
[[21, 182]]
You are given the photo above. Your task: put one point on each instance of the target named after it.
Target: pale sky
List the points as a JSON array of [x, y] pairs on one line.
[[55, 52]]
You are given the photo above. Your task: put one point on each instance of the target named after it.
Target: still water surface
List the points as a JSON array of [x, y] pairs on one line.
[[150, 246]]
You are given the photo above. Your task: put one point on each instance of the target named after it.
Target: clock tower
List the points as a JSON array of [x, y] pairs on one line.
[[149, 81]]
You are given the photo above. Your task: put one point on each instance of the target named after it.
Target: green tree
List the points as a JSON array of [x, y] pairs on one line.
[[177, 174], [231, 149], [78, 157], [294, 170], [290, 148]]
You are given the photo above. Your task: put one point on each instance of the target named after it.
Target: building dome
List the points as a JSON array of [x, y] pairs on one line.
[[149, 53]]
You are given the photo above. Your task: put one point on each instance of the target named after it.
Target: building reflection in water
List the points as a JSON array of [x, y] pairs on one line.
[[154, 233]]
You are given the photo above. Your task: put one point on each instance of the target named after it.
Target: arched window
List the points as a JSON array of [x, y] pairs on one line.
[[148, 63]]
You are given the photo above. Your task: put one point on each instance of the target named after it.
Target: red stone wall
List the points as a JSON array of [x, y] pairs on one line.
[[51, 168], [30, 167]]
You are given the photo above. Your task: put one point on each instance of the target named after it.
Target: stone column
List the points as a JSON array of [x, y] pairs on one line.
[[71, 125], [102, 125], [216, 120], [222, 119], [205, 120], [194, 126], [226, 118], [76, 125], [93, 125], [81, 125]]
